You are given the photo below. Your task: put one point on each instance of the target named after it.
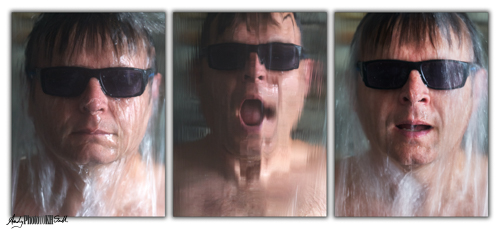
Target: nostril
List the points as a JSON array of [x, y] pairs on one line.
[[247, 77], [261, 77]]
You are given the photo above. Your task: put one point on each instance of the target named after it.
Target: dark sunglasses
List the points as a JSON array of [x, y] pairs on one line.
[[72, 81], [232, 56], [436, 74]]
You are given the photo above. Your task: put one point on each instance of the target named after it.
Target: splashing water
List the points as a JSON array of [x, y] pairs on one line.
[[208, 181], [45, 183], [396, 156]]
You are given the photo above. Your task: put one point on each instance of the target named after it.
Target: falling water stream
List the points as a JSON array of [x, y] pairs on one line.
[[449, 177]]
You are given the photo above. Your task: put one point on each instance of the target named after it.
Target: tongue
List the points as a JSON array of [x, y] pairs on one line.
[[252, 112]]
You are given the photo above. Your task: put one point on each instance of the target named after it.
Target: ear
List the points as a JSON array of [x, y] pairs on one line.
[[156, 85], [480, 87], [310, 69]]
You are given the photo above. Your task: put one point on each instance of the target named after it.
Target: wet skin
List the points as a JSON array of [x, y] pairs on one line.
[[249, 165], [94, 139], [282, 93], [415, 136], [205, 185], [92, 128], [439, 117]]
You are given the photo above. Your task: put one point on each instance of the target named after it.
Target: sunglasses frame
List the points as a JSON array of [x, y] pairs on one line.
[[299, 50], [93, 73], [467, 68]]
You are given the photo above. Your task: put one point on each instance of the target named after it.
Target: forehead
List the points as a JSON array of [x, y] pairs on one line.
[[94, 54], [438, 48], [414, 37], [279, 27]]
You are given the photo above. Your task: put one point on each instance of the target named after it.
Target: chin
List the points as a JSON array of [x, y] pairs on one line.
[[93, 155], [413, 156]]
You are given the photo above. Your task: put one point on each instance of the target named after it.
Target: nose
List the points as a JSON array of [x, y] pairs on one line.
[[414, 91], [93, 100], [255, 71]]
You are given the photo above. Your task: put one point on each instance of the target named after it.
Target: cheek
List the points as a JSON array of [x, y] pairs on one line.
[[455, 108], [217, 91], [291, 91], [373, 108], [51, 115], [132, 116]]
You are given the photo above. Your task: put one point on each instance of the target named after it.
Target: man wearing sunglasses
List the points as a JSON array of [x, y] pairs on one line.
[[419, 84], [92, 85], [251, 77]]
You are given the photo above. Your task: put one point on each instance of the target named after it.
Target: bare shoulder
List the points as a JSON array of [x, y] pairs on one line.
[[309, 160], [310, 165], [479, 182], [342, 176], [483, 162], [306, 152], [473, 202], [142, 190], [478, 172], [189, 158], [197, 179], [185, 152], [344, 173], [347, 195], [160, 181]]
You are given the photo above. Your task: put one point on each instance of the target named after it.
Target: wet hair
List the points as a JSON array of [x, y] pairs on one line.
[[59, 34], [228, 20], [375, 32]]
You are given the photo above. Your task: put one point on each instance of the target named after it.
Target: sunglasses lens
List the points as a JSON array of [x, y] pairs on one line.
[[275, 56], [227, 56], [282, 57], [63, 81], [72, 81], [444, 74], [123, 82], [386, 74]]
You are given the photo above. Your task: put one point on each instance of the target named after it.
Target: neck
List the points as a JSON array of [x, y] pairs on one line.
[[440, 171], [430, 181], [86, 185], [248, 171]]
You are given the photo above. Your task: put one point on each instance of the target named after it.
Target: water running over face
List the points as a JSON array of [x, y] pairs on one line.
[[413, 150]]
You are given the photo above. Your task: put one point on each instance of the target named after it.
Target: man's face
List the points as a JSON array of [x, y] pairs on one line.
[[415, 124], [92, 128], [232, 99]]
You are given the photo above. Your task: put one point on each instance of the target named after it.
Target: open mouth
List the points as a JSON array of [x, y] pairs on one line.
[[252, 112], [413, 128]]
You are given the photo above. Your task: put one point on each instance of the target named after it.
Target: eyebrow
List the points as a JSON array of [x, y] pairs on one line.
[[294, 23], [288, 15]]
